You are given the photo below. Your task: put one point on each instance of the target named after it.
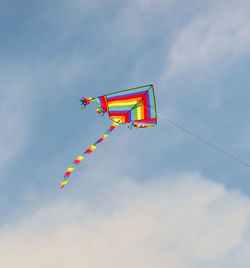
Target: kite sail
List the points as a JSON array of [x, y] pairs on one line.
[[135, 107]]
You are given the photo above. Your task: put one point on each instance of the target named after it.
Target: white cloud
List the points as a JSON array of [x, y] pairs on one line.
[[206, 40], [188, 222]]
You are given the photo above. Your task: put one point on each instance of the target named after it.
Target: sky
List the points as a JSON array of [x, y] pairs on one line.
[[147, 198]]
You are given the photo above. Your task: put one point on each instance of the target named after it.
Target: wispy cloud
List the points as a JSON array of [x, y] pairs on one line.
[[211, 39], [19, 85], [15, 95], [189, 222]]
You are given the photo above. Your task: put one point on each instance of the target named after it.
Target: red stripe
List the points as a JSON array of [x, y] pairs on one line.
[[103, 102], [145, 114], [118, 115], [100, 140], [149, 120], [88, 151]]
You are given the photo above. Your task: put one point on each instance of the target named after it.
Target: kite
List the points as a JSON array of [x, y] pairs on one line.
[[135, 107]]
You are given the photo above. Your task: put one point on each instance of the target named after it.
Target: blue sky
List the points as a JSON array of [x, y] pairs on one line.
[[198, 58]]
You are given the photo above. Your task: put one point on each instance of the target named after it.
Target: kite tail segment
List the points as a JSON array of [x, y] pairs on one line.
[[100, 111], [79, 159], [138, 125]]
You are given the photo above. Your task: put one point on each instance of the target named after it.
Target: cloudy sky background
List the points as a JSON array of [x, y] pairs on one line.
[[144, 198]]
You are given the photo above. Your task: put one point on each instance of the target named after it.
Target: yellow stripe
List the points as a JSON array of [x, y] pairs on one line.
[[64, 183], [92, 147], [80, 158], [122, 105], [139, 113], [119, 119]]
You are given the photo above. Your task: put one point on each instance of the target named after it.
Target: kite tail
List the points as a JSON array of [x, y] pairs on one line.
[[79, 159]]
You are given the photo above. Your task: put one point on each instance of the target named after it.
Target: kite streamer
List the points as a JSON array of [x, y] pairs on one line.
[[79, 159], [135, 107]]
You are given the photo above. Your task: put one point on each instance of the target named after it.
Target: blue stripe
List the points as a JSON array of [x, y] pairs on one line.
[[120, 109], [132, 115], [151, 103]]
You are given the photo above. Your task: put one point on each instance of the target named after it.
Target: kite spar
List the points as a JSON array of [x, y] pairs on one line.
[[135, 107]]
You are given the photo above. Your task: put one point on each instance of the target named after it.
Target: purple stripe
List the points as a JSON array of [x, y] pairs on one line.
[[140, 94], [118, 112], [129, 116], [147, 104]]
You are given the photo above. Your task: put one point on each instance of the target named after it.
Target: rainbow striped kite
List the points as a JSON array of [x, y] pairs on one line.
[[134, 106]]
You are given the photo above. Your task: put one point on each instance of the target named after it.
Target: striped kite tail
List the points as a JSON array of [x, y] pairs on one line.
[[79, 159]]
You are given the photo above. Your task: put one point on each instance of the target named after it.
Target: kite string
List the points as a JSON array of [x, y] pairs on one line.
[[215, 147]]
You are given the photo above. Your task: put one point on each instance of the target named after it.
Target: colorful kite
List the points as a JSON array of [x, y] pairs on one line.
[[135, 106]]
